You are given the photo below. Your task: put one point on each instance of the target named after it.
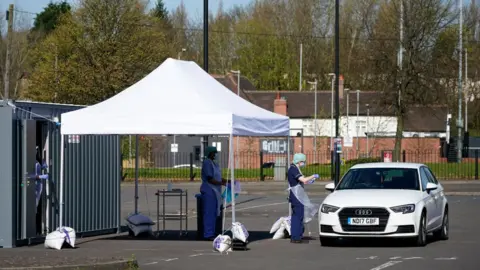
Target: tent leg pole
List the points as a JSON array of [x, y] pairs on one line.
[[136, 174], [233, 177], [288, 165], [62, 157]]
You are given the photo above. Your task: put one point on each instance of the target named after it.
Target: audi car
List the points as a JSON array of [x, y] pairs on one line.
[[400, 200]]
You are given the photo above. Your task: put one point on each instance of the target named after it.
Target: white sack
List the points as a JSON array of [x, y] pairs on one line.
[[277, 225], [55, 240], [287, 224], [239, 232], [222, 243], [70, 235], [280, 234]]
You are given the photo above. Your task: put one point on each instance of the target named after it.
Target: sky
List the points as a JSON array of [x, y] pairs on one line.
[[194, 7]]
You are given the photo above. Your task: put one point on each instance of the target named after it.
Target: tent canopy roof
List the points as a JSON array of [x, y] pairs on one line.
[[178, 97]]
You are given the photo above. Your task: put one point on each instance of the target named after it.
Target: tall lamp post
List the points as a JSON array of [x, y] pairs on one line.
[[331, 110], [238, 94], [315, 123], [347, 91], [368, 126], [357, 123], [179, 56]]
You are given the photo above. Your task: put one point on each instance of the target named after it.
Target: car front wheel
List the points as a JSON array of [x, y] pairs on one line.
[[421, 239], [442, 234]]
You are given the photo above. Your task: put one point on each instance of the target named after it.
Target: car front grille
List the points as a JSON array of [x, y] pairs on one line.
[[381, 213]]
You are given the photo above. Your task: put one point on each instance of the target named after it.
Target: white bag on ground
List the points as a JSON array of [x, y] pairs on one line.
[[222, 243], [55, 240], [239, 232], [287, 224], [70, 235], [280, 234], [277, 225]]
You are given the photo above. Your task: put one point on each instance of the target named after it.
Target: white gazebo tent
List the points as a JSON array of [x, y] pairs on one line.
[[177, 98]]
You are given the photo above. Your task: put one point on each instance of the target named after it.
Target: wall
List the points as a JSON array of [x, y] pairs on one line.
[[417, 149], [385, 125], [7, 193]]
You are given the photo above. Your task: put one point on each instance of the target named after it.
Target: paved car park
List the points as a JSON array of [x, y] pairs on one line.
[[258, 212]]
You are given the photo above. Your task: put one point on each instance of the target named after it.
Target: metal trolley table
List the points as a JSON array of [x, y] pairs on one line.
[[182, 216]]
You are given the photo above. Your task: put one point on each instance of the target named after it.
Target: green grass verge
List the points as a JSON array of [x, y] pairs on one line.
[[444, 171]]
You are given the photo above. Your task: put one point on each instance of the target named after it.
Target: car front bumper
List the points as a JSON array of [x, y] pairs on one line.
[[391, 224]]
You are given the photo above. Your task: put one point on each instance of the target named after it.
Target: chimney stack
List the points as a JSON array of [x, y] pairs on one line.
[[280, 105], [340, 86]]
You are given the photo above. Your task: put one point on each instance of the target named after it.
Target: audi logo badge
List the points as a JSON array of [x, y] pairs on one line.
[[363, 212]]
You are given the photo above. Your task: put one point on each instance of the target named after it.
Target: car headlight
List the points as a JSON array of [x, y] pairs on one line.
[[405, 209], [328, 208]]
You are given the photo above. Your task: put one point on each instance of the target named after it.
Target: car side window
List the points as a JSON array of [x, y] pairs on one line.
[[423, 178], [431, 176]]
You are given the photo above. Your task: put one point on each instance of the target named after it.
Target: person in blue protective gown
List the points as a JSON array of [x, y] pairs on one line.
[[211, 190], [295, 177]]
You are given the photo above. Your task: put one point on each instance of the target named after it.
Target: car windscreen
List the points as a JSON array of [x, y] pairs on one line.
[[380, 178]]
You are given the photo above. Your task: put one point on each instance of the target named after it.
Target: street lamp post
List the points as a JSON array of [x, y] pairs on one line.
[[357, 124], [180, 53], [331, 111], [366, 133], [315, 123], [238, 94], [347, 90]]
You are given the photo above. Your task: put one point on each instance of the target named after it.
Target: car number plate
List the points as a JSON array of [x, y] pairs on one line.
[[363, 221]]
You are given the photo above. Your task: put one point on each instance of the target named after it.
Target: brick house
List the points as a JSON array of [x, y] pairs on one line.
[[366, 135]]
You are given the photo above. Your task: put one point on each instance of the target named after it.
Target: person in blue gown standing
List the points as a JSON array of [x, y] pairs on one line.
[[211, 190], [295, 177]]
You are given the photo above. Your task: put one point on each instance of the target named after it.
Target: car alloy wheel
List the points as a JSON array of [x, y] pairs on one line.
[[422, 232], [442, 234]]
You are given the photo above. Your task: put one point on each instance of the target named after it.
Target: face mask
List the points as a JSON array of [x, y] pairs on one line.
[[302, 164]]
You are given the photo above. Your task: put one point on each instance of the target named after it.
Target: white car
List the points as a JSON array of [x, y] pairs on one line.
[[401, 200]]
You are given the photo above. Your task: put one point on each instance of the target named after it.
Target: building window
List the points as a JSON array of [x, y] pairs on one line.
[[361, 126]]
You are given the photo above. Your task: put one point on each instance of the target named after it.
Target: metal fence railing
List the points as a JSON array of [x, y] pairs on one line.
[[259, 166]]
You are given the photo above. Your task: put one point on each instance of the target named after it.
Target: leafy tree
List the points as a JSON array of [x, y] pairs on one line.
[[101, 48], [47, 20], [160, 11]]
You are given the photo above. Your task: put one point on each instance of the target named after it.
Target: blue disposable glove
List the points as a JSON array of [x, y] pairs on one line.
[[43, 176], [316, 176], [311, 181]]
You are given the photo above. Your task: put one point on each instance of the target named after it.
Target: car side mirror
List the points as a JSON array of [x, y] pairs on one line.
[[330, 187], [430, 187]]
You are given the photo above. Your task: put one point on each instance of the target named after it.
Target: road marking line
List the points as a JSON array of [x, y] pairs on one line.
[[172, 259], [446, 259], [140, 249], [385, 265], [195, 255], [394, 258], [152, 263], [413, 258], [368, 258]]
